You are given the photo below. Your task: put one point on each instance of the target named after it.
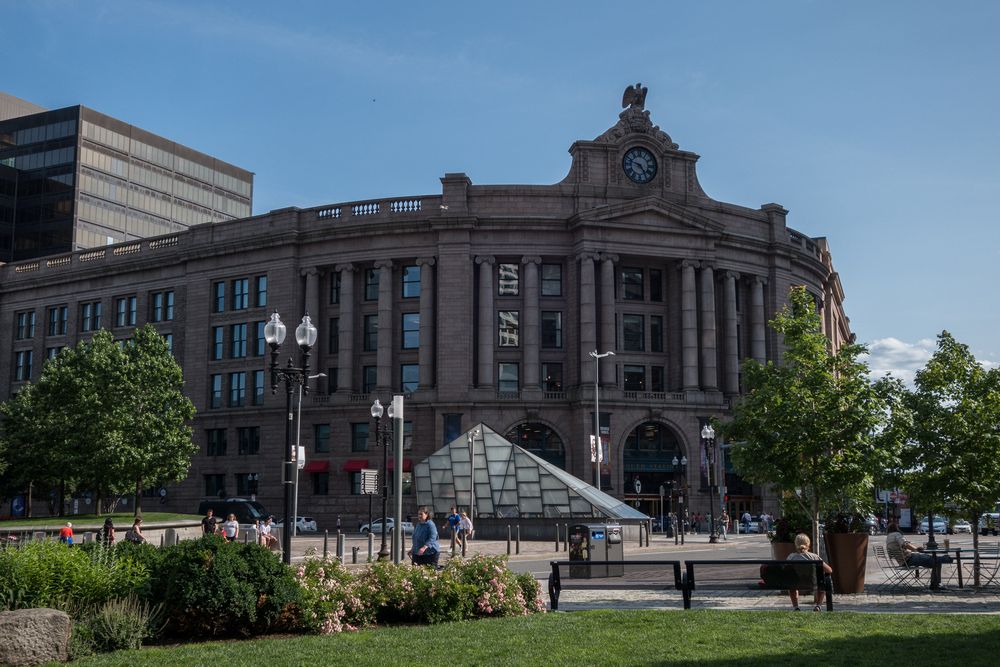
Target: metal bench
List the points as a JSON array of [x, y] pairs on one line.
[[657, 575], [755, 575]]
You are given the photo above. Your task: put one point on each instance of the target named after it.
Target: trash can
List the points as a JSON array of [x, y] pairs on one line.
[[615, 548], [589, 542]]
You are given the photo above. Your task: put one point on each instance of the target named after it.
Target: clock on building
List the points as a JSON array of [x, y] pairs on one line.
[[639, 165]]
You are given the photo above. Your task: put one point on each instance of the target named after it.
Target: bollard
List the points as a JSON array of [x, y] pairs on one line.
[[465, 543], [340, 547], [161, 540], [557, 537], [640, 535], [508, 539], [518, 543], [371, 546], [326, 543], [354, 555], [565, 537]]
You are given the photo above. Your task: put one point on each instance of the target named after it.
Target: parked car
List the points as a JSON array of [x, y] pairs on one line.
[[940, 526], [303, 524], [376, 527], [871, 523], [248, 512], [989, 522], [961, 526]]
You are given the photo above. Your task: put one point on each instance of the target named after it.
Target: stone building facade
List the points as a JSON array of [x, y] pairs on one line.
[[480, 304]]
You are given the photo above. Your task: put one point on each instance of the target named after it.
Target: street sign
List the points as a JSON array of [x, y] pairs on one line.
[[369, 481], [638, 485]]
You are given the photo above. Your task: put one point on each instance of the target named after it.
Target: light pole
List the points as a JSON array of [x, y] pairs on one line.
[[380, 441], [305, 337], [597, 409], [299, 454], [662, 491], [683, 489], [472, 474], [708, 442]]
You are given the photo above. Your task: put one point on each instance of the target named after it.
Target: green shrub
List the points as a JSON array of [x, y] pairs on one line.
[[210, 588], [498, 591], [123, 624], [329, 602]]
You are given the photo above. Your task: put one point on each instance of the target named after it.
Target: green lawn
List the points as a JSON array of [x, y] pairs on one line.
[[92, 521], [621, 638]]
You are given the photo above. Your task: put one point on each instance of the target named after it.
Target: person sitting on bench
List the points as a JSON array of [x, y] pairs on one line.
[[802, 543]]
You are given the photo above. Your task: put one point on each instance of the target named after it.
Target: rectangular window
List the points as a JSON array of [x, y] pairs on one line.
[[411, 331], [90, 316], [237, 389], [259, 342], [26, 325], [359, 437], [407, 435], [157, 307], [508, 377], [215, 400], [53, 352], [22, 367], [321, 483], [656, 333], [409, 377], [411, 282], [217, 343], [249, 440], [551, 280], [632, 333], [370, 341], [335, 279], [321, 436], [219, 290], [58, 318], [169, 337], [508, 328], [168, 307], [552, 377], [238, 344], [215, 486], [369, 379], [655, 285], [258, 387], [261, 284], [215, 439], [371, 284], [125, 311], [552, 337], [635, 378], [355, 483], [509, 279], [241, 294], [331, 380], [333, 339], [632, 284], [656, 379]]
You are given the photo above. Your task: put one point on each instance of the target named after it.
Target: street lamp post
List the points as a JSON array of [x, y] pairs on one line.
[[708, 442], [597, 409], [299, 456], [382, 441], [472, 474], [662, 492], [683, 489], [305, 337]]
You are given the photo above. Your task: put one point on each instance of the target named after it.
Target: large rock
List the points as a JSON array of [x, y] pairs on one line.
[[34, 636]]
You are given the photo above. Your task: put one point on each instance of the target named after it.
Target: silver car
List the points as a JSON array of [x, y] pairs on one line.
[[376, 527]]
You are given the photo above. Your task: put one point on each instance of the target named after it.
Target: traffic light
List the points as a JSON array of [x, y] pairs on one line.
[[727, 499]]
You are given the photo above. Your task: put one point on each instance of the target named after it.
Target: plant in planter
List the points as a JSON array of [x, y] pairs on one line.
[[846, 539], [791, 522]]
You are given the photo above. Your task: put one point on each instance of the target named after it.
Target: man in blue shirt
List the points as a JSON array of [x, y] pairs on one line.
[[454, 519], [425, 550]]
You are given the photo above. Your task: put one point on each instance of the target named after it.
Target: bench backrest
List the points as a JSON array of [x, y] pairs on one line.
[[753, 574], [617, 574]]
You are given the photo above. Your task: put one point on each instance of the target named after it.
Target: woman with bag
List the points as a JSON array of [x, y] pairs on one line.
[[134, 533]]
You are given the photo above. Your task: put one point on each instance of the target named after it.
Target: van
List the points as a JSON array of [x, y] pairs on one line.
[[248, 512]]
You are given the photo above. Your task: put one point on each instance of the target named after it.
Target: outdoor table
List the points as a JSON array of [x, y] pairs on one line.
[[936, 568]]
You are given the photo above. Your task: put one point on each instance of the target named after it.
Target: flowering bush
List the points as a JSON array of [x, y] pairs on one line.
[[334, 599]]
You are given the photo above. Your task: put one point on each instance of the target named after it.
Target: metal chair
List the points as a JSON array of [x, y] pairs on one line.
[[989, 564], [896, 575]]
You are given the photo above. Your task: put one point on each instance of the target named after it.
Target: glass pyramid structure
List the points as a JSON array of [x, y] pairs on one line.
[[510, 482]]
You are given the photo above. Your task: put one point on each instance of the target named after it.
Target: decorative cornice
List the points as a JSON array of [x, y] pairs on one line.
[[485, 259], [426, 261], [531, 260], [348, 268], [383, 264]]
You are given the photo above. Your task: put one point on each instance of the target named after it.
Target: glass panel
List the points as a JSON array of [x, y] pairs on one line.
[[509, 279], [632, 284]]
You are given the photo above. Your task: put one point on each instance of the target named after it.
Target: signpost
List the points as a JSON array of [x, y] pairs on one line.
[[369, 487]]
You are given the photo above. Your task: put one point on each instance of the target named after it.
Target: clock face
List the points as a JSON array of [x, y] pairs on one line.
[[639, 165]]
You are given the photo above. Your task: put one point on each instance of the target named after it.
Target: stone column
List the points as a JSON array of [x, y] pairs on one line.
[[346, 325], [312, 310], [486, 326], [732, 385], [758, 348], [709, 366], [530, 318], [607, 314], [588, 317], [689, 326], [385, 328], [426, 353]]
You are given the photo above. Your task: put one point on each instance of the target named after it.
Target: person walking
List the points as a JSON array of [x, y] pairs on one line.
[[424, 549], [66, 534], [107, 534], [724, 524], [231, 528], [465, 530], [209, 526], [453, 521], [134, 533]]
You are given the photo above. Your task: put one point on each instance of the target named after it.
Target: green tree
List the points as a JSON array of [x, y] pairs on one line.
[[812, 425], [953, 452], [106, 417]]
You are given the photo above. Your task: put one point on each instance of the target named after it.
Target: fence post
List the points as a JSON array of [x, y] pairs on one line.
[[326, 543], [508, 539]]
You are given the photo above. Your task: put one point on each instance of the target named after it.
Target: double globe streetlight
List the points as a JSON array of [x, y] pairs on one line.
[[291, 375], [683, 489], [708, 442]]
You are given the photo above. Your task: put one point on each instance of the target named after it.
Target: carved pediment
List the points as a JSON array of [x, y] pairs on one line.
[[663, 213]]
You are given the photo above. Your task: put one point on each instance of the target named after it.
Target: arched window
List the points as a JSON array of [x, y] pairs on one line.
[[649, 454], [540, 440]]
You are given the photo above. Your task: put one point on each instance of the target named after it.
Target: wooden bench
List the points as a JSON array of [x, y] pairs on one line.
[[755, 575]]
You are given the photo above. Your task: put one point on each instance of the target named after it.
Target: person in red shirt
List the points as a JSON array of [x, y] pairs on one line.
[[66, 534]]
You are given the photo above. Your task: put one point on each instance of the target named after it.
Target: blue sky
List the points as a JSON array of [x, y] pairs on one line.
[[874, 123]]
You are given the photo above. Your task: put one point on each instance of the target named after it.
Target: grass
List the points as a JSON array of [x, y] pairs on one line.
[[708, 637], [93, 521]]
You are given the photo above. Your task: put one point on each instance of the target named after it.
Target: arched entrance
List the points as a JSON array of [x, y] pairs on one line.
[[540, 440], [650, 450]]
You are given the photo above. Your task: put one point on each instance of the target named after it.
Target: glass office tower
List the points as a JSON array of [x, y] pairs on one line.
[[73, 178]]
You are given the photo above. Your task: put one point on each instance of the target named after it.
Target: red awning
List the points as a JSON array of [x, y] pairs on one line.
[[356, 465], [316, 466], [407, 465]]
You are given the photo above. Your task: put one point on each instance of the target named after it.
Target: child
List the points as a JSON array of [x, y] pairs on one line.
[[802, 552]]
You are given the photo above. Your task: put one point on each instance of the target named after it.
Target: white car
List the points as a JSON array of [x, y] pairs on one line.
[[961, 526], [376, 527], [940, 526], [303, 524]]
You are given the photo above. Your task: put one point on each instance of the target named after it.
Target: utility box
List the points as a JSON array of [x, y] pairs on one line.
[[595, 542]]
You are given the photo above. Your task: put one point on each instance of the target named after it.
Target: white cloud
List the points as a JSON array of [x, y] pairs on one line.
[[902, 359]]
